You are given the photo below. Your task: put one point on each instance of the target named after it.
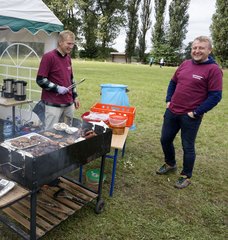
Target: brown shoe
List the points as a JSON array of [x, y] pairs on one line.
[[166, 169], [182, 182]]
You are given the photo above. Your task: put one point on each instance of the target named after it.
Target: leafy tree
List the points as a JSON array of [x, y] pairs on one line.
[[146, 24], [65, 11], [88, 28], [132, 27], [178, 21], [219, 32], [110, 19], [158, 31]]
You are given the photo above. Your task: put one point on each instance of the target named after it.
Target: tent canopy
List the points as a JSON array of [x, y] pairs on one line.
[[28, 21]]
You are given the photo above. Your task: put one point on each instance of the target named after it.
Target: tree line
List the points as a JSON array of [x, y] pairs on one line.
[[97, 23]]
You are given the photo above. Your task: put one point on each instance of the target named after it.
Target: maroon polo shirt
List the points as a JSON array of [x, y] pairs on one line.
[[58, 70]]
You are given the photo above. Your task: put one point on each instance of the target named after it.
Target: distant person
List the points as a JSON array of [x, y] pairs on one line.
[[151, 61], [161, 62], [195, 88], [55, 77]]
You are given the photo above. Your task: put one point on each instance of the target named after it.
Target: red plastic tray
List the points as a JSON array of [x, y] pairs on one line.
[[119, 110]]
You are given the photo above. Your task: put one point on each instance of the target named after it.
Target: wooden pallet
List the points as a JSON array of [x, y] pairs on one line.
[[51, 210]]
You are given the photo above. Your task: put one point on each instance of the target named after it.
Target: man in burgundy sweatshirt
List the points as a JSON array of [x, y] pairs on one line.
[[195, 88], [55, 77]]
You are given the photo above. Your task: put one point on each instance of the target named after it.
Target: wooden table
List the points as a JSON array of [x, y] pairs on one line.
[[11, 102], [118, 143]]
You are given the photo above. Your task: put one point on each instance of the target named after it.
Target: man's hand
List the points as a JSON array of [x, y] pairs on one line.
[[62, 90], [191, 114], [76, 103], [167, 104]]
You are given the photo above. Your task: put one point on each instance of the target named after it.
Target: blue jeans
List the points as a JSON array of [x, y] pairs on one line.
[[189, 128]]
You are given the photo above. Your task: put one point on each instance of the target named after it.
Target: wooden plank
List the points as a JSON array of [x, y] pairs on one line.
[[9, 102], [26, 212], [119, 140], [16, 193], [41, 212], [20, 219], [77, 187], [62, 216]]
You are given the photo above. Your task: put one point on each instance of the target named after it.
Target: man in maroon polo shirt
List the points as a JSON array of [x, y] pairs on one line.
[[195, 88], [55, 76]]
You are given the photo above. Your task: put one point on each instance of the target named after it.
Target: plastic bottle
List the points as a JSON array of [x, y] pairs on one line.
[[7, 128], [18, 124]]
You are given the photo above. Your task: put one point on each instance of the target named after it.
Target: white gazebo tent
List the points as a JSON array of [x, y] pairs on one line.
[[23, 22], [28, 21]]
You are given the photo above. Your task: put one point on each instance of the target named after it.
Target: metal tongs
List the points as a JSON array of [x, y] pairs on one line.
[[55, 206], [62, 193], [76, 83]]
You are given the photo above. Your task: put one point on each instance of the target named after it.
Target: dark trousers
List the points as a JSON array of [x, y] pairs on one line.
[[189, 128]]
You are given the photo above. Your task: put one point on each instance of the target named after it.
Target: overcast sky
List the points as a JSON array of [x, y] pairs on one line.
[[200, 14]]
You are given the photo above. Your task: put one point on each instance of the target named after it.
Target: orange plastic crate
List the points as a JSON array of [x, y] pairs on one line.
[[119, 110]]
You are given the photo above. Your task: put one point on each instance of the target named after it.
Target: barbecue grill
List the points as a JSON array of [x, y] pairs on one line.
[[32, 172]]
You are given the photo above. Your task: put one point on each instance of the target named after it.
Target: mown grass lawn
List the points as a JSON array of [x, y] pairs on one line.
[[144, 205]]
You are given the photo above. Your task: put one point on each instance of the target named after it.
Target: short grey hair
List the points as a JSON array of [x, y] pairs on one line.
[[204, 39]]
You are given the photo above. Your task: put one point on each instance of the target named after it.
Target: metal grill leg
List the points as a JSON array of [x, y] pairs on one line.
[[33, 215]]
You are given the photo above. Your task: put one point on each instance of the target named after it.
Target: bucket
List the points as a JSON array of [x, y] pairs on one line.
[[92, 178], [114, 94], [117, 123]]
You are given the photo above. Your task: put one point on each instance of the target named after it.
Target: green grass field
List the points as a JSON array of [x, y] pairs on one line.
[[146, 206]]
